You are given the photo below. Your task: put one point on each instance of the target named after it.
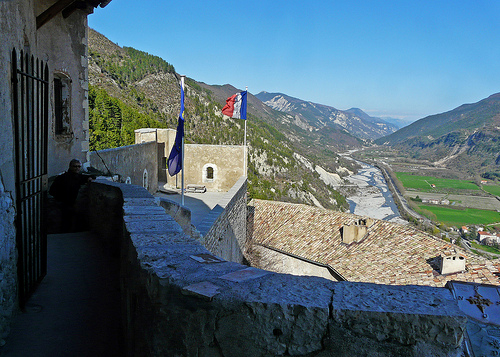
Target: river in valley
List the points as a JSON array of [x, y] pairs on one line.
[[372, 196]]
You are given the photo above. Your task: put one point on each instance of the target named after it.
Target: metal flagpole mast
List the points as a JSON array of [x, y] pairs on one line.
[[182, 150], [245, 140]]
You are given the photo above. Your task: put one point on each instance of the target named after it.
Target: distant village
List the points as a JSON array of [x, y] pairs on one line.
[[482, 236]]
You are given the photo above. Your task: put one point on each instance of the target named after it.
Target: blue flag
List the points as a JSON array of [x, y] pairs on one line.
[[174, 161]]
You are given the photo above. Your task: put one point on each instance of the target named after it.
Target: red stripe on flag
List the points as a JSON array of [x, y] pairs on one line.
[[229, 107]]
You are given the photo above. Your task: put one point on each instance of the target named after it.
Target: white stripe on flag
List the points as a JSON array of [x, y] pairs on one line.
[[237, 107]]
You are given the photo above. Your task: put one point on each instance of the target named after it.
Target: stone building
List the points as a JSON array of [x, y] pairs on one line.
[[44, 124], [216, 167]]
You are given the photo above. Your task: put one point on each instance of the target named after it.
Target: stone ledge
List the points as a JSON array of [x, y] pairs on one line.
[[208, 222], [259, 313]]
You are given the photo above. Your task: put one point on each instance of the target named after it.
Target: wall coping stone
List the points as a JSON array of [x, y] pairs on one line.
[[211, 218], [193, 305]]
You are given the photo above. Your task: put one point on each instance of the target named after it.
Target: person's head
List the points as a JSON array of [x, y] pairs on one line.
[[75, 166]]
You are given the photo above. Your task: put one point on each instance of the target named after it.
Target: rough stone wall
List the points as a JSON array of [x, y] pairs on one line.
[[62, 43], [130, 161], [224, 229], [177, 305], [165, 139], [8, 263], [227, 161], [17, 30], [180, 214], [268, 259]]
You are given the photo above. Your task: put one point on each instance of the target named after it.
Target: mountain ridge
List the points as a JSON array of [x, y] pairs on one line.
[[466, 138], [318, 116]]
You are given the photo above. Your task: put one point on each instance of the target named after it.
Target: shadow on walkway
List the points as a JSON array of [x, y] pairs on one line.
[[76, 309]]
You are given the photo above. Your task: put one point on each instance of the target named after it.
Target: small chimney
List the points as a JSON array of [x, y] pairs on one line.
[[356, 232], [451, 263]]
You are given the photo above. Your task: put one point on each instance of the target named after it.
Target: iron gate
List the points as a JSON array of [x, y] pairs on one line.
[[30, 82]]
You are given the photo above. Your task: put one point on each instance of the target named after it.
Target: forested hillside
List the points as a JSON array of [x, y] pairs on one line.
[[130, 89], [466, 138]]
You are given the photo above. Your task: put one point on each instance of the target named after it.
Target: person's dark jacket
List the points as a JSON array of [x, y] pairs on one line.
[[66, 186]]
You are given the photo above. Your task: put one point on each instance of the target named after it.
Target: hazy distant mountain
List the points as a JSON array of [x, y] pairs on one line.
[[466, 138], [319, 116], [399, 123]]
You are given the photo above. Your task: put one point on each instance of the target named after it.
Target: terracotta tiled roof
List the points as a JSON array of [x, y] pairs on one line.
[[390, 253]]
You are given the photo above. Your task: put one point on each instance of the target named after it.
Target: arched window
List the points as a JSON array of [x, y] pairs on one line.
[[145, 179], [62, 104], [210, 173]]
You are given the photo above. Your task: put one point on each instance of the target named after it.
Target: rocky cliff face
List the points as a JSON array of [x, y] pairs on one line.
[[318, 116]]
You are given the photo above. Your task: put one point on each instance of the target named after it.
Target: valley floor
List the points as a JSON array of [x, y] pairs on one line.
[[372, 196], [488, 203]]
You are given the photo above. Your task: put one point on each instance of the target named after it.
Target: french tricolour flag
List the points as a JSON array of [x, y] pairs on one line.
[[236, 106]]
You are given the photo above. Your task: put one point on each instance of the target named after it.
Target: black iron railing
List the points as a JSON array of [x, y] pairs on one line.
[[30, 84]]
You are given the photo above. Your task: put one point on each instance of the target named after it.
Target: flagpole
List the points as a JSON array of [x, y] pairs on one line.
[[245, 139], [182, 153]]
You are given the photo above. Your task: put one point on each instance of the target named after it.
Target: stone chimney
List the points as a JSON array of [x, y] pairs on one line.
[[451, 262], [356, 232]]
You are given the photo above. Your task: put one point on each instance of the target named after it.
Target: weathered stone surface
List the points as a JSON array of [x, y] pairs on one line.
[[224, 229], [149, 201], [180, 214], [143, 210], [142, 218], [155, 239], [137, 162], [271, 314], [407, 315], [271, 328], [151, 226], [8, 262], [205, 290]]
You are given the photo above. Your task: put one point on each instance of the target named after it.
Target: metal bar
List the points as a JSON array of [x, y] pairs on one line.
[[16, 91], [26, 198], [29, 125], [32, 179], [33, 77], [44, 159]]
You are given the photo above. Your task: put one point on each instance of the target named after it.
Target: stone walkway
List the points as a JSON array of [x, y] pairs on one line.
[[76, 309], [200, 204]]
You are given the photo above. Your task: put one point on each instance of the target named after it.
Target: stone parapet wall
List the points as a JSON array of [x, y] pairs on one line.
[[178, 301], [180, 214], [137, 162], [224, 228]]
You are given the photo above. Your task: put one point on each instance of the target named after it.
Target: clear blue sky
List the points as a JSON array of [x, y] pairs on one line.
[[405, 59]]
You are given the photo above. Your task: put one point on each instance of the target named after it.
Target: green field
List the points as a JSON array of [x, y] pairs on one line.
[[485, 248], [460, 217], [423, 183], [494, 190]]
